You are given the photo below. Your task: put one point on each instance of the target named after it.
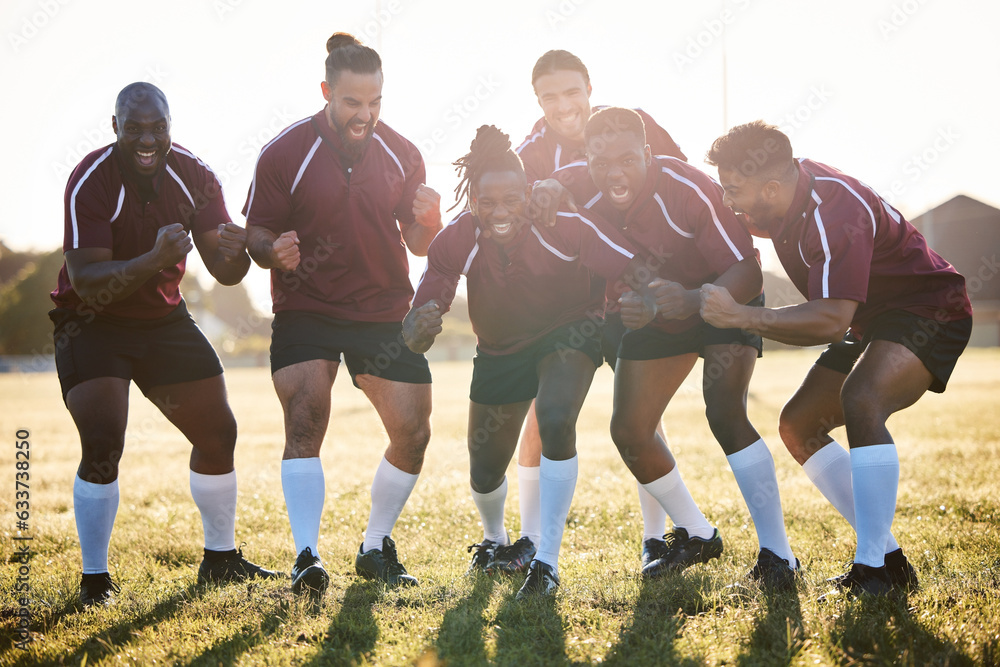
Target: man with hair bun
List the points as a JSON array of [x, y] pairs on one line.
[[673, 215], [134, 210], [896, 316], [532, 342], [335, 202], [562, 88]]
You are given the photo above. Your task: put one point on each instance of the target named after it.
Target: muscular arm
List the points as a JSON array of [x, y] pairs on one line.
[[427, 212], [224, 253], [421, 326], [94, 274], [811, 323], [743, 280], [273, 252]]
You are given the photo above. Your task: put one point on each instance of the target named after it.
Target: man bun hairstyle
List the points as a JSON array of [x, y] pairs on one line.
[[490, 151], [612, 121], [345, 52], [556, 60], [753, 149]]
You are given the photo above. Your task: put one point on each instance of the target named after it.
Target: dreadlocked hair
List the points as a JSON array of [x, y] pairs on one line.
[[490, 151]]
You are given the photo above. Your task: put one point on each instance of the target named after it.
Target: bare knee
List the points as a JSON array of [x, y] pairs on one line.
[[557, 429], [407, 447], [102, 450], [803, 434]]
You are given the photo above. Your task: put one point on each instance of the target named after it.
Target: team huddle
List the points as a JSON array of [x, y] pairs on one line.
[[593, 241]]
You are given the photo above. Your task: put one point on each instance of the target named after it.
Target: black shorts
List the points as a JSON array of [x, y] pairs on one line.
[[841, 356], [648, 343], [499, 379], [369, 348], [611, 337], [938, 345], [166, 350]]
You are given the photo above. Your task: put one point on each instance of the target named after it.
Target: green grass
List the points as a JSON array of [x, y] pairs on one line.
[[948, 517]]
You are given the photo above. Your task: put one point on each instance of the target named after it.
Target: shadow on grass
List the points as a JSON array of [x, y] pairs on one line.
[[657, 620], [461, 635], [352, 632], [111, 640], [779, 633], [530, 632], [885, 631]]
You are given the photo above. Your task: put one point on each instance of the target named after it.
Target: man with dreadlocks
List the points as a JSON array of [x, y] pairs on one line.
[[562, 87], [534, 343], [332, 197], [675, 215]]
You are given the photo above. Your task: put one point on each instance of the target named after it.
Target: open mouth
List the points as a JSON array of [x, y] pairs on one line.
[[357, 130], [145, 158], [502, 229], [619, 194]]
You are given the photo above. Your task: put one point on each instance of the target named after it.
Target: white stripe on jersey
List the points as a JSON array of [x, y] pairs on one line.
[[391, 154], [711, 209], [253, 182], [611, 244], [121, 200], [826, 246], [851, 190], [76, 190], [472, 255], [530, 140], [547, 246], [187, 193], [663, 208], [305, 163], [593, 200]]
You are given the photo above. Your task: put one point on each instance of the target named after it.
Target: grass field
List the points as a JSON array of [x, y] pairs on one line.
[[948, 520]]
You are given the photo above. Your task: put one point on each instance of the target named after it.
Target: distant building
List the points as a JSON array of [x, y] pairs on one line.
[[966, 232]]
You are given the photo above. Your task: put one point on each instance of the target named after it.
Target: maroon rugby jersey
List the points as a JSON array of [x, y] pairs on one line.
[[840, 240], [543, 150], [348, 219], [103, 209], [525, 289], [678, 225]]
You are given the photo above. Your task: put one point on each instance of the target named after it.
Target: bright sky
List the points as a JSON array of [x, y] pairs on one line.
[[900, 93]]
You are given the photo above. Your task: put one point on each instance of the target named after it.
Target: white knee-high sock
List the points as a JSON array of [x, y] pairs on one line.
[[672, 494], [829, 469], [390, 490], [215, 496], [654, 518], [527, 490], [304, 486], [875, 473], [95, 507], [753, 468], [557, 482], [491, 506]]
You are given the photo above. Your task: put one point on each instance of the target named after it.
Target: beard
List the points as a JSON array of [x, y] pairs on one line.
[[354, 148]]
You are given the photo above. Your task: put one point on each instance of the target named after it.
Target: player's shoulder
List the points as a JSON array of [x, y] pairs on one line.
[[830, 184], [535, 138], [461, 231], [402, 150], [186, 162], [295, 141], [100, 161], [678, 170]]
